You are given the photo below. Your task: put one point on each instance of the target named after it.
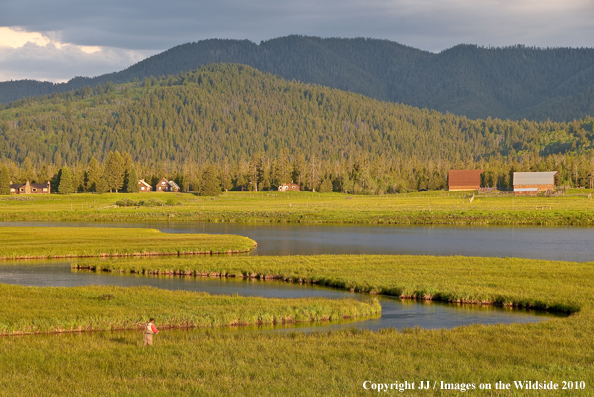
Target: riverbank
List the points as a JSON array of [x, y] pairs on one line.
[[537, 284], [71, 242], [423, 208], [34, 310]]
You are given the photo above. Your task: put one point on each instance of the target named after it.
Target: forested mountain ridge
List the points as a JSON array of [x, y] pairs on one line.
[[513, 82], [245, 122]]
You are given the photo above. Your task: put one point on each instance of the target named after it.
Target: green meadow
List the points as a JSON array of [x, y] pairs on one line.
[[55, 242], [436, 207], [207, 361], [204, 362], [95, 308], [549, 285]]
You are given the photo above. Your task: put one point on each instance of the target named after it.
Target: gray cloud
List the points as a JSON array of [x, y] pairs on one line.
[[155, 25]]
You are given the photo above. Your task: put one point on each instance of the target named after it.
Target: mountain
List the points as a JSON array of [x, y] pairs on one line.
[[228, 111], [256, 128], [512, 82]]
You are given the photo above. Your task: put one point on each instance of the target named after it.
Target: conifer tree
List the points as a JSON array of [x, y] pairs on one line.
[[114, 173], [65, 181], [94, 176], [4, 180], [132, 181], [211, 184]]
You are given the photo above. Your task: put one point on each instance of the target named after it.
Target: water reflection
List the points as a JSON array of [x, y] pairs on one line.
[[551, 243]]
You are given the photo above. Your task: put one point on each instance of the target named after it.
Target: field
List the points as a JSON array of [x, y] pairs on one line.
[[95, 308], [575, 208], [207, 361], [337, 363], [56, 242]]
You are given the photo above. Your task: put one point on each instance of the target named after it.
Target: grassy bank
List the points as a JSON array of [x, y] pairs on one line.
[[562, 286], [57, 242], [446, 208], [51, 309], [336, 363]]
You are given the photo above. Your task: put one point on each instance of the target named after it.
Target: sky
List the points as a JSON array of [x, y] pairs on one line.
[[60, 39]]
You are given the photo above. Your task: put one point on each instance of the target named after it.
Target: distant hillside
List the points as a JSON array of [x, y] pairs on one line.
[[253, 127], [514, 82], [231, 112]]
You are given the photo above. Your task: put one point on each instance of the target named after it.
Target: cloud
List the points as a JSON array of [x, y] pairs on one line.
[[61, 63], [116, 29]]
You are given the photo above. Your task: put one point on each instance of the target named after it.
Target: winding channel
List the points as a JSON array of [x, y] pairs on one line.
[[291, 239]]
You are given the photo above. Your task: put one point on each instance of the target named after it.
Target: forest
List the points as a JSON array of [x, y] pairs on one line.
[[234, 127], [514, 82]]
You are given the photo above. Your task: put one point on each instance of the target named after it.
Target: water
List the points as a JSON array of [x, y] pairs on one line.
[[555, 243], [395, 312], [551, 243]]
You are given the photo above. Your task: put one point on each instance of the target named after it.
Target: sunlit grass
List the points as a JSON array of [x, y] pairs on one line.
[[305, 207], [336, 363], [51, 242], [53, 309], [565, 286]]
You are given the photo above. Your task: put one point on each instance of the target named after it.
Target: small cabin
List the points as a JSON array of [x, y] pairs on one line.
[[288, 187], [459, 180], [30, 188], [167, 186], [144, 187], [530, 183]]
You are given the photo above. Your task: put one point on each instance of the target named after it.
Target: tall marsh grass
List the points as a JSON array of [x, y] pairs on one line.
[[52, 242], [552, 285], [93, 308]]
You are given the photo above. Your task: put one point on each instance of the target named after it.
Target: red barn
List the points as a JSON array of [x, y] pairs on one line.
[[464, 180]]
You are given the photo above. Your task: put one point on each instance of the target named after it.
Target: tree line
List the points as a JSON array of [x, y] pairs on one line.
[[255, 131], [261, 172]]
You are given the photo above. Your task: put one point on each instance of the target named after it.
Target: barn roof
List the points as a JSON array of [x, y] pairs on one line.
[[534, 178], [464, 178]]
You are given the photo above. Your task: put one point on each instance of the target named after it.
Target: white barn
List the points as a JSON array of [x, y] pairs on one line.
[[533, 182]]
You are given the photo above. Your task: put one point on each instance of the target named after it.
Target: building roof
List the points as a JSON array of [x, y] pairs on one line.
[[173, 185], [36, 185], [142, 181], [534, 178], [464, 178]]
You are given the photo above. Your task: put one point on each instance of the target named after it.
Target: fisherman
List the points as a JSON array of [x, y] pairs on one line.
[[149, 331]]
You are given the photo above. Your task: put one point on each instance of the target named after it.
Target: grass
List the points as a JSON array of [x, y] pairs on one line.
[[53, 309], [55, 242], [541, 284], [336, 363], [448, 208]]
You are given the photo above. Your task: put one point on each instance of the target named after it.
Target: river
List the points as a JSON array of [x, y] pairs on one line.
[[283, 239]]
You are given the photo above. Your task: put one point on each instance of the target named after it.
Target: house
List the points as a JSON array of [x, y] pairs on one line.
[[144, 187], [288, 186], [464, 180], [533, 182], [30, 188], [167, 186]]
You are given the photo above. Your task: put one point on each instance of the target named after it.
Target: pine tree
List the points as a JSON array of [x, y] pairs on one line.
[[132, 181], [114, 173], [4, 180], [326, 186], [93, 176], [211, 184], [65, 181]]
